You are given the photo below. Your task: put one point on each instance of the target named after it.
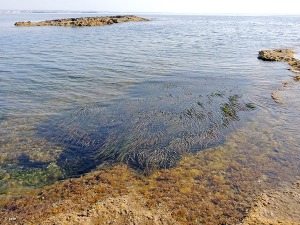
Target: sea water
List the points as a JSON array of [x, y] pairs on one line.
[[142, 93]]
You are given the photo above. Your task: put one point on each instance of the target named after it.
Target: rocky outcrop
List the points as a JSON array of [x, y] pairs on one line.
[[281, 55], [83, 21]]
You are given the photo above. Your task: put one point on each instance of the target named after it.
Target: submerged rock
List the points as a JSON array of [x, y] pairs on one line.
[[83, 21]]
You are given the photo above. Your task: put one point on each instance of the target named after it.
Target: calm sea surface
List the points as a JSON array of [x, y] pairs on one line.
[[143, 93]]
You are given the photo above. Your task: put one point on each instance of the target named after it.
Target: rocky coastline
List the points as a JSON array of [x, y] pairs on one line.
[[83, 21], [281, 55]]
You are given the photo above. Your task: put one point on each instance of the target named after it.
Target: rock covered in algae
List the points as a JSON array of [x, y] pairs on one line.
[[280, 55], [83, 21]]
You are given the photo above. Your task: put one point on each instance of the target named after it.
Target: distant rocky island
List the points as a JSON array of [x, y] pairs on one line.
[[83, 21]]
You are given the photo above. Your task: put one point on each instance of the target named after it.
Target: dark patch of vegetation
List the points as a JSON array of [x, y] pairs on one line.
[[25, 162], [231, 108], [146, 134], [250, 106], [29, 176]]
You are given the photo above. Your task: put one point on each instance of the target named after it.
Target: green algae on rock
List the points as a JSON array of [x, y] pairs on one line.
[[83, 21]]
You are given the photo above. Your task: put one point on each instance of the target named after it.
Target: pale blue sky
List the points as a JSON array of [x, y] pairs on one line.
[[172, 6]]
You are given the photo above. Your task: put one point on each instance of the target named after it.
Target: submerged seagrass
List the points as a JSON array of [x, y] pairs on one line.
[[83, 21], [145, 134]]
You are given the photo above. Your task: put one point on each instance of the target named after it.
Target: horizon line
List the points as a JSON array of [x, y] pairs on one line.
[[141, 12]]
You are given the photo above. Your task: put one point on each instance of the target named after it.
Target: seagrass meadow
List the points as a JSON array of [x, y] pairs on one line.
[[171, 120]]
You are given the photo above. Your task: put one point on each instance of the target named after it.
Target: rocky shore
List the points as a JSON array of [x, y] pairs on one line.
[[83, 21], [281, 55], [280, 206]]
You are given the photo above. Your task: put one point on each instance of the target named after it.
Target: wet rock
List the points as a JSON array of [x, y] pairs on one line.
[[296, 78], [83, 21], [280, 55], [276, 207], [126, 209]]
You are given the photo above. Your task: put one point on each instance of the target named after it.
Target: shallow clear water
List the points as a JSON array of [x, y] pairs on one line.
[[133, 90]]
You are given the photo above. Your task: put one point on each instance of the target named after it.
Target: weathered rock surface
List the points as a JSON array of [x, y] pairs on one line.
[[280, 55], [127, 209], [83, 21], [276, 207]]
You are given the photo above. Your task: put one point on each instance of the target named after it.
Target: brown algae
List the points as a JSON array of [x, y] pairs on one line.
[[213, 187]]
